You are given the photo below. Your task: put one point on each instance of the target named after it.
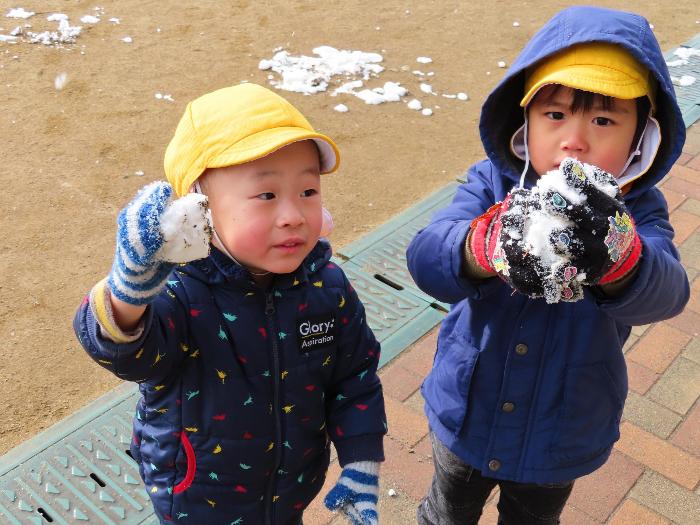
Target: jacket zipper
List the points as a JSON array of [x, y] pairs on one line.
[[272, 334]]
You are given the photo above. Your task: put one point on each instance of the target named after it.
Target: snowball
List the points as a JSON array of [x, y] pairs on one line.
[[127, 39], [426, 88], [501, 64], [427, 112], [415, 104], [516, 24], [186, 226], [341, 108], [391, 492], [462, 96], [89, 19], [424, 60]]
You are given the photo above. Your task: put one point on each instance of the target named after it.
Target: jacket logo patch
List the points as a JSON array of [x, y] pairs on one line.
[[316, 332]]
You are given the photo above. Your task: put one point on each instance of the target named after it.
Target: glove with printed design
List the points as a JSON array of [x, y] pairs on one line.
[[597, 234], [154, 232], [356, 492], [496, 243]]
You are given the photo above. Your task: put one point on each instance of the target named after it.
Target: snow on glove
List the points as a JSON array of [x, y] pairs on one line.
[[597, 234], [355, 494], [496, 242], [153, 234]]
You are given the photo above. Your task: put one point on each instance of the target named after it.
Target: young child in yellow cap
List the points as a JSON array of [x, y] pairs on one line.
[[250, 346], [550, 252]]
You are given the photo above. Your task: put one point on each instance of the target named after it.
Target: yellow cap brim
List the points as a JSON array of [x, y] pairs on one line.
[[597, 67]]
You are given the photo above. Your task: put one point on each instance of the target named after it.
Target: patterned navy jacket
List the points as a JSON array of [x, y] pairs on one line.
[[242, 389]]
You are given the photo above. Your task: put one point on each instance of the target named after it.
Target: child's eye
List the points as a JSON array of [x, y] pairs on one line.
[[602, 121], [555, 115], [309, 193], [267, 196]]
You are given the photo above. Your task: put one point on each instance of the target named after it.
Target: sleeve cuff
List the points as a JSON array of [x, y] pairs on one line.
[[101, 307], [361, 448]]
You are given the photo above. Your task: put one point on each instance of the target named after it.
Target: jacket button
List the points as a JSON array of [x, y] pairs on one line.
[[494, 465], [508, 406], [521, 349]]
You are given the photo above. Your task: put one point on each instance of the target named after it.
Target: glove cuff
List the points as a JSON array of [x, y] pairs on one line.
[[483, 236], [625, 263]]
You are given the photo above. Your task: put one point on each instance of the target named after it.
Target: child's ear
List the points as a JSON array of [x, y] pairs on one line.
[[327, 224]]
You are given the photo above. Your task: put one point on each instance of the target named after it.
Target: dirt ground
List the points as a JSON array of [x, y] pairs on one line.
[[70, 157]]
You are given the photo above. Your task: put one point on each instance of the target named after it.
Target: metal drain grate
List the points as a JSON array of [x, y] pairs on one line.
[[78, 471], [688, 96]]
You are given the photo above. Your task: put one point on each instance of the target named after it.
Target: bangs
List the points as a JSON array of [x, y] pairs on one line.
[[581, 101]]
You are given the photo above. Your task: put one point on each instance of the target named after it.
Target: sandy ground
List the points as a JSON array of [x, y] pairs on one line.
[[69, 157]]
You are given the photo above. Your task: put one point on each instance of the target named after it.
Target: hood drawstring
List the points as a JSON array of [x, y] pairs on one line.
[[527, 152]]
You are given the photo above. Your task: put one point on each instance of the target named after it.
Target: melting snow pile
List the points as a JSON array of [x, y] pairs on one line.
[[305, 74], [684, 55], [349, 71]]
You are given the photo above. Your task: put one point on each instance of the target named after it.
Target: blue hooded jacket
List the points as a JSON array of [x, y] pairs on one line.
[[520, 389], [242, 389]]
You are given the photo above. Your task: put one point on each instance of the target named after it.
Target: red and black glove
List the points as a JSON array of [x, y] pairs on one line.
[[496, 242], [601, 242]]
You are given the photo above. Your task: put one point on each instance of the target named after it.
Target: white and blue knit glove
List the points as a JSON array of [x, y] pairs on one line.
[[153, 233], [356, 492]]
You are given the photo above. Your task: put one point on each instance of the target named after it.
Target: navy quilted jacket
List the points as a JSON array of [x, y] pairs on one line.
[[520, 389], [242, 389]]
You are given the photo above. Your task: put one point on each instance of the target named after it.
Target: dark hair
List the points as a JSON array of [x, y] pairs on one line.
[[584, 100]]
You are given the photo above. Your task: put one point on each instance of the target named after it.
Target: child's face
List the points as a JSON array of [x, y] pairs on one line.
[[598, 136], [268, 212]]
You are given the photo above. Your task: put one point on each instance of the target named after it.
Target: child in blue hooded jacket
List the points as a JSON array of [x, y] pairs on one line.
[[253, 353], [529, 380]]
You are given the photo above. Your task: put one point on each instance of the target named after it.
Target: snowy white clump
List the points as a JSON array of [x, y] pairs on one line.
[[501, 64], [186, 227], [127, 40], [391, 92], [306, 74], [683, 80], [19, 12], [341, 108], [424, 60], [65, 34], [415, 104], [462, 96], [89, 19], [57, 17]]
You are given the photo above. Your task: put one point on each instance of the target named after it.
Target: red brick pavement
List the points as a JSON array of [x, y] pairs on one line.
[[617, 493]]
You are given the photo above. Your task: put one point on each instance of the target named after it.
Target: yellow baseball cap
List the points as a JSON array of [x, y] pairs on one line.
[[597, 67], [235, 125]]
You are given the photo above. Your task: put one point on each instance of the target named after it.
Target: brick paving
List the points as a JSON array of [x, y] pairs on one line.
[[653, 475]]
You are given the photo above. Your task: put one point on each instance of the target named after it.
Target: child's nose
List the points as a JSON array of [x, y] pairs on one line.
[[574, 140], [290, 215]]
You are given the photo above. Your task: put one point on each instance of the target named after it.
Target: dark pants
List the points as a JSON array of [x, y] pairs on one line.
[[459, 492]]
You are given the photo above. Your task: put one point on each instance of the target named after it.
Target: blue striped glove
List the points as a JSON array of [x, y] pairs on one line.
[[153, 233], [356, 492]]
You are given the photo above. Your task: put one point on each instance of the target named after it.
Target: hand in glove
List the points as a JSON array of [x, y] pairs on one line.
[[356, 492], [496, 242], [597, 234], [154, 232]]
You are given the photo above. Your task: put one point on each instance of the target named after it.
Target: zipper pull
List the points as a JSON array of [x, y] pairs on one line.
[[269, 304]]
